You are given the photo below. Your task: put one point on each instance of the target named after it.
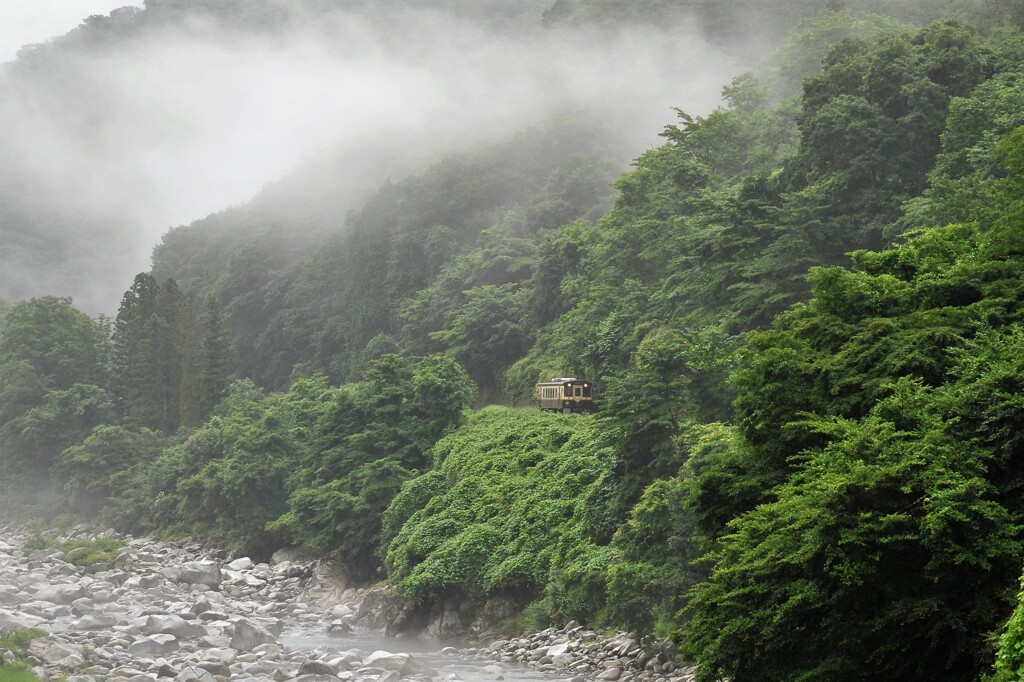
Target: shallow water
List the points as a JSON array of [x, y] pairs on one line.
[[424, 650]]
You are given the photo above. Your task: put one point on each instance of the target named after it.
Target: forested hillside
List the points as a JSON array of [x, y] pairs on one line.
[[801, 310]]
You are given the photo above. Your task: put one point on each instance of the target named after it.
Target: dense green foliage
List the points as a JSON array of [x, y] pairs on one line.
[[804, 317], [878, 421], [316, 465], [513, 505], [54, 387]]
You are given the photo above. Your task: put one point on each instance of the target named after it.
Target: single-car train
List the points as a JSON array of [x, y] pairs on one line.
[[566, 394]]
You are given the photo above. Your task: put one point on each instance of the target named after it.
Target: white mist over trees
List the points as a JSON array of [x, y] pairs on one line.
[[153, 117]]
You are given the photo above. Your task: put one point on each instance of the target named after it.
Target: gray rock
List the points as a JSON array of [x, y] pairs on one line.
[[194, 674], [242, 564], [100, 621], [387, 660], [610, 675], [45, 553], [155, 645], [173, 625], [215, 668], [339, 628], [214, 642], [314, 667], [52, 652], [60, 594], [10, 620], [562, 660], [195, 573], [559, 649], [271, 650], [201, 606], [247, 636]]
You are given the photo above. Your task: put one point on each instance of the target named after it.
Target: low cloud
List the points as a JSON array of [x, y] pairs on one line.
[[134, 126]]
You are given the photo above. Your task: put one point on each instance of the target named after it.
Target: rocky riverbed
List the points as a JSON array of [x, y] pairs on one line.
[[184, 612]]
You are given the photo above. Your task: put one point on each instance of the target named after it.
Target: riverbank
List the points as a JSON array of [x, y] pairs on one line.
[[185, 612]]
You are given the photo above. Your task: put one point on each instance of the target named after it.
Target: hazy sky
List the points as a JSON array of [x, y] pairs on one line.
[[34, 21]]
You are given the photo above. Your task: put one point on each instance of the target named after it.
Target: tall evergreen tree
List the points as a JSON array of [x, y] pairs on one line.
[[189, 397], [147, 353], [216, 357], [135, 360], [167, 332]]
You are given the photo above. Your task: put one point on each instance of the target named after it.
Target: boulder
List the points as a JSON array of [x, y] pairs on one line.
[[60, 594], [246, 636], [151, 647], [215, 668], [173, 625], [11, 620], [194, 674], [557, 649], [387, 660], [195, 573], [200, 606], [100, 621], [51, 652], [314, 667]]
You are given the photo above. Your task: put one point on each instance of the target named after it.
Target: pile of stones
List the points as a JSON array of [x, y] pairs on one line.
[[578, 653], [184, 612], [177, 612]]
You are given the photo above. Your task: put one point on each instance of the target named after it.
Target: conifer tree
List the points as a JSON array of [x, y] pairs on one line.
[[216, 357], [167, 334], [189, 398], [135, 355]]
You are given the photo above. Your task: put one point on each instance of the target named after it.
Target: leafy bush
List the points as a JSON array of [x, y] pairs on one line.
[[503, 513], [100, 550]]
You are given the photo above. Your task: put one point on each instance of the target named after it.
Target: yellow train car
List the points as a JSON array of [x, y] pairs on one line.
[[567, 395]]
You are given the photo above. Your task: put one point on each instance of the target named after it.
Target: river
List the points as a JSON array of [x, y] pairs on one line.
[[461, 664]]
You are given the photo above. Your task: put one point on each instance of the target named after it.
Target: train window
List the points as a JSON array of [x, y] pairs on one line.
[[579, 391], [568, 392], [586, 391]]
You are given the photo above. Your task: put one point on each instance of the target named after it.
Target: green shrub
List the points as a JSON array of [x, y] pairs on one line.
[[88, 552], [505, 512], [37, 539]]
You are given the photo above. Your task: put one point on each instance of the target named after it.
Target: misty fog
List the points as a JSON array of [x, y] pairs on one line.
[[108, 141]]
